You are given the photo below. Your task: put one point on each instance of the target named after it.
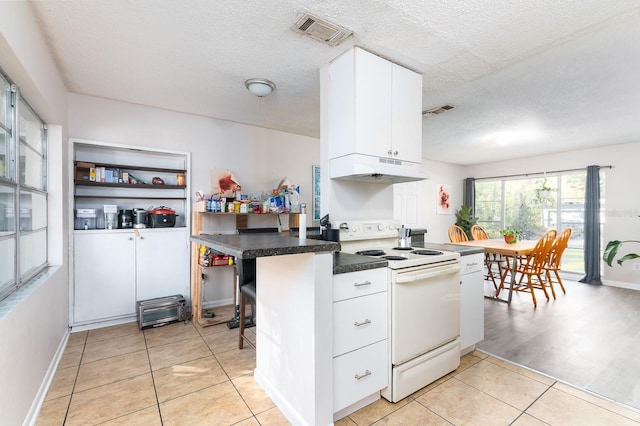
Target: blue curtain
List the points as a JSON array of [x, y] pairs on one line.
[[469, 194], [592, 227]]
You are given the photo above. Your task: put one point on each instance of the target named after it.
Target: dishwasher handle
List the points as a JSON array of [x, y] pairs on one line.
[[419, 276]]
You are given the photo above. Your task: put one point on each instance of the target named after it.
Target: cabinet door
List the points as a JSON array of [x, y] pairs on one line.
[[104, 275], [471, 301], [406, 115], [162, 257], [373, 81]]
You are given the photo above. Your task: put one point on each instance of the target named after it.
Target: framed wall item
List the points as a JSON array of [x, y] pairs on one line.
[[316, 191], [443, 199]]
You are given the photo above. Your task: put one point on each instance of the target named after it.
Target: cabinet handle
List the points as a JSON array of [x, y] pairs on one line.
[[361, 284], [389, 152], [130, 238], [366, 373], [395, 152], [365, 322]]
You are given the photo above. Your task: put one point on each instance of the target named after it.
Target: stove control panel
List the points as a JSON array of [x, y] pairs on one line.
[[356, 230]]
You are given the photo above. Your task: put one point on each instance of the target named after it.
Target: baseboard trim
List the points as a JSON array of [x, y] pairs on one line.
[[38, 400], [621, 284]]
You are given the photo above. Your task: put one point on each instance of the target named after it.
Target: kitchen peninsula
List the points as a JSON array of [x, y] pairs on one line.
[[294, 316]]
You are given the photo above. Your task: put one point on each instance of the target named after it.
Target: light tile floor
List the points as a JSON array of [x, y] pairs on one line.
[[186, 374]]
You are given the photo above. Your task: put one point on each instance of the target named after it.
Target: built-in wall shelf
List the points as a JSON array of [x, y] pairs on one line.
[[128, 185], [117, 197]]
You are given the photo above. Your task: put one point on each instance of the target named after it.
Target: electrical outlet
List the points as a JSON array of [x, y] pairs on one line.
[[636, 266]]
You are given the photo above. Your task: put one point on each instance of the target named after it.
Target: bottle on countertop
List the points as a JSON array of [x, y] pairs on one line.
[[303, 222]]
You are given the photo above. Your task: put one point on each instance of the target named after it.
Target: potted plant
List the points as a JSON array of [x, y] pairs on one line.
[[466, 220], [511, 236], [544, 192]]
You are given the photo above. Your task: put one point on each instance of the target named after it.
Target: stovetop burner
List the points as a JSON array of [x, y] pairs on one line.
[[394, 257], [371, 252], [427, 252], [402, 248]]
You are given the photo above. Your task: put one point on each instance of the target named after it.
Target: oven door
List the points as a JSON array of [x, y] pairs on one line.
[[425, 309]]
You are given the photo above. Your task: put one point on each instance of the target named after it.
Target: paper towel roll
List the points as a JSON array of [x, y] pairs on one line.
[[303, 226], [303, 222]]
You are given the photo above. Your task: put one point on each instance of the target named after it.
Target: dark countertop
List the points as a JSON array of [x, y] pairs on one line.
[[346, 262], [463, 250], [251, 246]]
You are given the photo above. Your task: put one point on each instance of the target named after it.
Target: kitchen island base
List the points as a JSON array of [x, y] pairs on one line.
[[294, 334]]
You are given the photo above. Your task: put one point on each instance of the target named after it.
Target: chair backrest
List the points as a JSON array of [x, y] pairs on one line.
[[539, 255], [558, 247], [457, 234], [478, 233]]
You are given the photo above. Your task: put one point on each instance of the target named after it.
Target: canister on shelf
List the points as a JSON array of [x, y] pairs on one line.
[[180, 179]]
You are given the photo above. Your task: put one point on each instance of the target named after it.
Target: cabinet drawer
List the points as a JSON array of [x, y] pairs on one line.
[[360, 283], [359, 322], [358, 374]]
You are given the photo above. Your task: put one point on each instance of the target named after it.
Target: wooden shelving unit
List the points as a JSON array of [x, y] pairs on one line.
[[242, 221]]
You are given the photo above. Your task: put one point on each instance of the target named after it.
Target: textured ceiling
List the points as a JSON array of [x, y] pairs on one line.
[[545, 76]]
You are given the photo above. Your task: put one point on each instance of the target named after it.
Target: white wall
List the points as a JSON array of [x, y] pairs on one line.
[[258, 157], [33, 323], [439, 173], [622, 199]]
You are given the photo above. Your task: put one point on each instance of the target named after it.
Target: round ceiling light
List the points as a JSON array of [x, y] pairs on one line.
[[260, 86]]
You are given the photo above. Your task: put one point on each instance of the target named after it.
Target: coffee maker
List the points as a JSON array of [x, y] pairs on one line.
[[125, 219]]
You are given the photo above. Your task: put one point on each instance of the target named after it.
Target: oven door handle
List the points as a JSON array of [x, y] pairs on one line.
[[411, 277]]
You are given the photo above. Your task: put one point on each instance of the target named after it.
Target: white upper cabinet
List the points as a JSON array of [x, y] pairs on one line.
[[374, 107]]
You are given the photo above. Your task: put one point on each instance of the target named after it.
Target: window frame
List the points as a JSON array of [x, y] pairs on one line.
[[560, 193], [22, 211]]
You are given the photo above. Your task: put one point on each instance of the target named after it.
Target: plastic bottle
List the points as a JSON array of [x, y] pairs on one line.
[[303, 222]]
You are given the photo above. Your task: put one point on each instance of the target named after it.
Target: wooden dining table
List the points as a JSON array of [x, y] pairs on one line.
[[509, 251]]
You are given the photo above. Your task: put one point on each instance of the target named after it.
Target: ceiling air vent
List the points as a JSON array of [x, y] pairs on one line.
[[321, 30], [437, 110]]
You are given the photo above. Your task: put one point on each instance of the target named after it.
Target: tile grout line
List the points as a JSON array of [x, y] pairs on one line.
[[153, 380], [530, 405], [75, 381], [226, 374]]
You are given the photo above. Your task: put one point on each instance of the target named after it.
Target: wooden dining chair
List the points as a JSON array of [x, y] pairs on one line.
[[532, 267], [457, 234], [491, 260], [555, 257]]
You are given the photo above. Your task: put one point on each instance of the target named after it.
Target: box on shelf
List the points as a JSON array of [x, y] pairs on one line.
[[210, 257], [82, 170], [200, 206]]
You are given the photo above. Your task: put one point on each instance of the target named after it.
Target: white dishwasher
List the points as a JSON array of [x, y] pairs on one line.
[[471, 301]]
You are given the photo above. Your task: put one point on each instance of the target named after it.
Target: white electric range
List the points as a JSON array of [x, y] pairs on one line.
[[424, 304]]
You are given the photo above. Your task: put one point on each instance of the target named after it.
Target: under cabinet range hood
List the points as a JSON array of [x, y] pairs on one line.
[[367, 168]]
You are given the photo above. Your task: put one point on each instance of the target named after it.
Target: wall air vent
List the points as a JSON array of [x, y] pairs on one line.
[[321, 30], [437, 110]]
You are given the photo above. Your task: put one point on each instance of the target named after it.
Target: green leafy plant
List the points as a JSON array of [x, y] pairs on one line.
[[543, 193], [511, 235], [465, 220], [611, 251]]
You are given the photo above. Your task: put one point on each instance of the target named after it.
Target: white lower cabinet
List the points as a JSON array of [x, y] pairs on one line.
[[471, 301], [162, 264], [104, 276], [360, 330], [113, 269]]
